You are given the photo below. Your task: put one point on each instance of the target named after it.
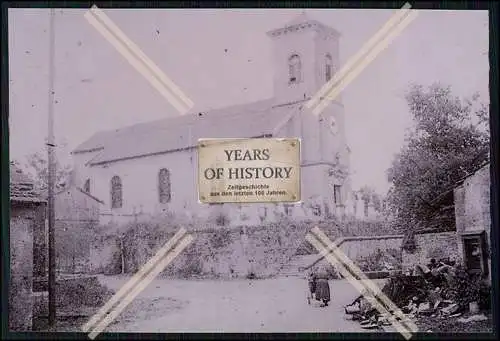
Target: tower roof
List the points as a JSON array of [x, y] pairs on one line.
[[303, 22], [302, 18]]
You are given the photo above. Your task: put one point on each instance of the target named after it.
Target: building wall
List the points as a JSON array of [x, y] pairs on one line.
[[81, 171], [22, 224], [472, 207], [284, 46], [40, 241], [140, 189], [140, 183], [73, 205]]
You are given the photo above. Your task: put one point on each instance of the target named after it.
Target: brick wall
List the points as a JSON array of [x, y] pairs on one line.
[[432, 245]]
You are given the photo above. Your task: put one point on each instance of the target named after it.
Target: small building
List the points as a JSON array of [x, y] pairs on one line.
[[473, 220], [28, 257], [77, 215]]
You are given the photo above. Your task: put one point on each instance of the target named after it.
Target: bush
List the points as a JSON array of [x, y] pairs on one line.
[[220, 238], [222, 219], [251, 275], [82, 292], [485, 296], [192, 267], [467, 288], [377, 260]]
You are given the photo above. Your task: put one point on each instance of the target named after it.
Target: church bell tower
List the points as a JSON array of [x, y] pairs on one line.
[[306, 55]]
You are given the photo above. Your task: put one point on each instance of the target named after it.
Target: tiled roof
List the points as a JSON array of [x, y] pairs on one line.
[[181, 132], [22, 187], [303, 21]]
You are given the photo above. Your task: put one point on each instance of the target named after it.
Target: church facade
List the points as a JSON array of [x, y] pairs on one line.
[[151, 167]]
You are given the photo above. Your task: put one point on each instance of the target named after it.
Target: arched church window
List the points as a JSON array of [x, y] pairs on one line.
[[116, 192], [86, 186], [294, 69], [337, 194], [328, 67], [164, 186]]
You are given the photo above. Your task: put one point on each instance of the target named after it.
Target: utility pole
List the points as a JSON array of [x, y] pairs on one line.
[[52, 173]]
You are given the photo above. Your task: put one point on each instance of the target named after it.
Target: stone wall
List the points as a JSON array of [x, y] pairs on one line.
[[227, 251], [432, 245], [216, 252], [361, 249], [25, 219], [364, 246]]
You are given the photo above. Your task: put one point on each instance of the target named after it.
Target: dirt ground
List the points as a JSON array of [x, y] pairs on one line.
[[245, 306], [271, 305]]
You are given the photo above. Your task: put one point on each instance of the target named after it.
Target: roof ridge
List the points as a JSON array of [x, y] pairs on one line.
[[192, 115], [257, 118]]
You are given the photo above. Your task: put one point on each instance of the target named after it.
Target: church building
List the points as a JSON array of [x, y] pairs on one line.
[[150, 168]]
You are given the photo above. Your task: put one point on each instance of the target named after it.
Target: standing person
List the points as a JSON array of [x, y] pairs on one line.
[[311, 281], [322, 288]]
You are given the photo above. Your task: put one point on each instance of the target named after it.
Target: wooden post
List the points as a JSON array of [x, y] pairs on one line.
[[52, 173], [122, 252]]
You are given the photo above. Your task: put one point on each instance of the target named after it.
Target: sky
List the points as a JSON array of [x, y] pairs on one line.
[[97, 89]]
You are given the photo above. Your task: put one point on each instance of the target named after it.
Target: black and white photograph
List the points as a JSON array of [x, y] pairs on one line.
[[382, 223]]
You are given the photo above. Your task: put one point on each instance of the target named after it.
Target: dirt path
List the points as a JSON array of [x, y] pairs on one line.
[[273, 305]]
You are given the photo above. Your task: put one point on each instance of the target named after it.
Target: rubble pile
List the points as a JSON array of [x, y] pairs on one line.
[[439, 290]]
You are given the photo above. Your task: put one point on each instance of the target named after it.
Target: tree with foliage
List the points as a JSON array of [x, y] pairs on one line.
[[37, 165], [449, 141]]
